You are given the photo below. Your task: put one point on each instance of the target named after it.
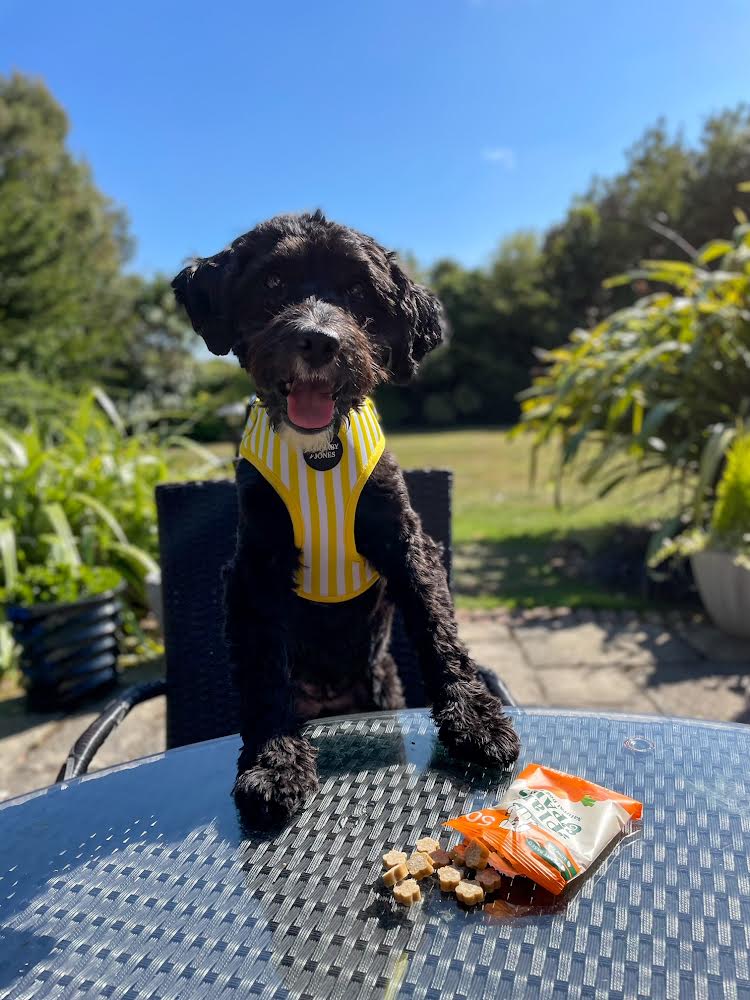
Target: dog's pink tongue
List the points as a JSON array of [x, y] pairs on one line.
[[309, 405]]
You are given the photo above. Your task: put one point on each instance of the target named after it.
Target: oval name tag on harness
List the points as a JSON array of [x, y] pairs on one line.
[[328, 458]]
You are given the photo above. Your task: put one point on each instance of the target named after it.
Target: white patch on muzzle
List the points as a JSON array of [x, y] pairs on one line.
[[318, 441]]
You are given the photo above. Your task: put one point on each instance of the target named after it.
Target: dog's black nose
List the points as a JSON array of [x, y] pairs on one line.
[[318, 347]]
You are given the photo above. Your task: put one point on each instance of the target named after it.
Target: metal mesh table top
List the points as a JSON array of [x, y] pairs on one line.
[[140, 882]]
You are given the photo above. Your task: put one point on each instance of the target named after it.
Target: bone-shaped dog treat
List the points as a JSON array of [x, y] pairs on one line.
[[449, 878], [489, 879], [394, 858], [477, 855], [395, 874], [458, 854], [469, 893], [440, 858], [420, 865], [407, 892]]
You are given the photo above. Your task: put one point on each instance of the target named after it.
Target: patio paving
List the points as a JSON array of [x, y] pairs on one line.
[[577, 659]]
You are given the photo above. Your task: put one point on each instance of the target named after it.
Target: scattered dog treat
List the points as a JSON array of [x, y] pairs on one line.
[[440, 858], [403, 874], [449, 878], [393, 858], [420, 865], [477, 855], [395, 874], [458, 854], [407, 892], [489, 879], [469, 893]]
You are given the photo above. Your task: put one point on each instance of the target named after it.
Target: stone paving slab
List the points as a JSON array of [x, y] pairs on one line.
[[493, 645], [569, 642], [616, 661], [573, 659], [699, 689], [30, 757], [600, 687], [714, 645]]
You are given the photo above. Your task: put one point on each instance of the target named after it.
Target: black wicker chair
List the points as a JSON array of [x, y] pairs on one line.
[[197, 529]]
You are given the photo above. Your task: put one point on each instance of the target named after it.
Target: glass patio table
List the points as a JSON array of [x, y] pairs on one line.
[[141, 882]]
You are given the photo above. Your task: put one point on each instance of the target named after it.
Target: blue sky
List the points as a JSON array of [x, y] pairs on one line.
[[439, 126]]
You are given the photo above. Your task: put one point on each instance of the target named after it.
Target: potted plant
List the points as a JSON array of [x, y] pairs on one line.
[[720, 557], [656, 392], [720, 552], [65, 621], [77, 486]]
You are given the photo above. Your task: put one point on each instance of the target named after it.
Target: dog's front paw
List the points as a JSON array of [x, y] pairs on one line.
[[273, 786], [471, 722]]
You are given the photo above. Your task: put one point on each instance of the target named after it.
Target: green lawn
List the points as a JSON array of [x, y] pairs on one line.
[[511, 545]]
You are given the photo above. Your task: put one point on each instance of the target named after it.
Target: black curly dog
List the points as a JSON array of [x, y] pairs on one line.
[[294, 294]]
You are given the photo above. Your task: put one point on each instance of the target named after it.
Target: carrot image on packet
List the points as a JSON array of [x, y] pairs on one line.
[[549, 826]]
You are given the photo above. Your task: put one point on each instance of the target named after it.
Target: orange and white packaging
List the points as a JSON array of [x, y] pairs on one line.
[[549, 826]]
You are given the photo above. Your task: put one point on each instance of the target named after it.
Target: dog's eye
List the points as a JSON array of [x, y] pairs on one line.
[[274, 283], [357, 290]]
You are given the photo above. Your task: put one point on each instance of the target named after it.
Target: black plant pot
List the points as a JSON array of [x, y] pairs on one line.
[[68, 651]]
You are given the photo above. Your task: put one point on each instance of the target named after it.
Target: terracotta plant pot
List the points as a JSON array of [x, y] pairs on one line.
[[725, 591]]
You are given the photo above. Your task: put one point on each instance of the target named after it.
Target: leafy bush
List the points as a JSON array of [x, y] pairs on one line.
[[660, 384], [730, 523], [25, 399], [729, 529], [61, 584], [76, 491], [219, 385], [80, 490]]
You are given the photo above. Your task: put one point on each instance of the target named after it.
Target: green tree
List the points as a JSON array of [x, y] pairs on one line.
[[62, 245], [571, 265], [616, 223], [154, 366], [668, 202], [498, 316], [720, 164]]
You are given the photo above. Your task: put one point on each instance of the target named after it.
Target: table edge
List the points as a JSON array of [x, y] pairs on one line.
[[518, 710]]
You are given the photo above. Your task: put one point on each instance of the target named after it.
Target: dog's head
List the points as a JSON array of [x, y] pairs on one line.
[[317, 313]]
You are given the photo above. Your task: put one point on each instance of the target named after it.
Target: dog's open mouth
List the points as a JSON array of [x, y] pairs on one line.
[[309, 404]]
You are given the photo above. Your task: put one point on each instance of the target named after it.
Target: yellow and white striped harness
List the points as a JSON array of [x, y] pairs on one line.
[[321, 491]]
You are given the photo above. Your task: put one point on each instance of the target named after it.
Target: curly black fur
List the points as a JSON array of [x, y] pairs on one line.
[[245, 298], [294, 659]]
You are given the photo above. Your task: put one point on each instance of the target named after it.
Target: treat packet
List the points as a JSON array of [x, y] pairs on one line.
[[549, 826]]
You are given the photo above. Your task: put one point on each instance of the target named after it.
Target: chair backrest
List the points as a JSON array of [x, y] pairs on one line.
[[197, 534]]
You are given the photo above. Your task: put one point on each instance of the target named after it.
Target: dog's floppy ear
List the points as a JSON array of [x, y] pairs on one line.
[[419, 328], [202, 288]]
